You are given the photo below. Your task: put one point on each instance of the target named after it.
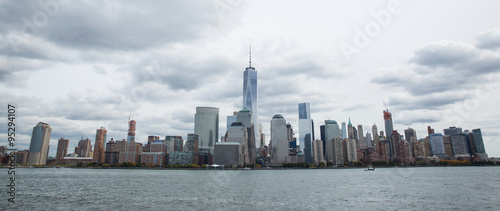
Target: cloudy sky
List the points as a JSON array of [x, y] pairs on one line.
[[81, 65]]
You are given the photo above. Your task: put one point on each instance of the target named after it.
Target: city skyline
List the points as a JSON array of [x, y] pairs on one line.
[[78, 76]]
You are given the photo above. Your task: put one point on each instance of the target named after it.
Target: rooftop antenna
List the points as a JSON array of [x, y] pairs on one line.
[[129, 116], [250, 53], [385, 105]]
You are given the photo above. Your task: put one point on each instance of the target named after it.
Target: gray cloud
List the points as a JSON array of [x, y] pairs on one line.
[[112, 25], [489, 39]]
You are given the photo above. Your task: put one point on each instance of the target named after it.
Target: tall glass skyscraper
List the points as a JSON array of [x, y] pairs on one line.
[[388, 131], [250, 97], [39, 146], [206, 126], [305, 131]]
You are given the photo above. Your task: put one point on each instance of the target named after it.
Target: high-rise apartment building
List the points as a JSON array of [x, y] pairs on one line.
[[39, 145], [206, 126], [318, 152], [84, 148], [305, 131], [478, 141], [131, 130], [100, 143], [62, 149]]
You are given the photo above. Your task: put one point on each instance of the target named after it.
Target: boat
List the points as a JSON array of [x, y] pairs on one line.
[[247, 168], [370, 168]]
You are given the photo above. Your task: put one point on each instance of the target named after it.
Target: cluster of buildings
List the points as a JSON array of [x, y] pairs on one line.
[[244, 143]]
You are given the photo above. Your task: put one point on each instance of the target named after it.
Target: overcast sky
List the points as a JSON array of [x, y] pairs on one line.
[[81, 65]]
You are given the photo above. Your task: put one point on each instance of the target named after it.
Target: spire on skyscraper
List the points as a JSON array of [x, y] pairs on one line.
[[349, 121], [250, 54]]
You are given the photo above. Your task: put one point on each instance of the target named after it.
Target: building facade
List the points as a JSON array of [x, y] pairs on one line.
[[100, 143], [39, 145], [279, 139], [62, 149], [206, 126], [305, 131]]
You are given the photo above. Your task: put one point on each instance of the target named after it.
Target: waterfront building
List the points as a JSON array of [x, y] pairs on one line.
[[174, 143], [350, 150], [21, 157], [228, 153], [132, 153], [436, 144], [279, 139], [100, 141], [459, 145], [131, 130], [479, 144], [448, 150], [191, 143], [39, 145], [318, 152], [84, 148], [111, 154], [62, 149], [333, 146], [206, 126], [305, 131], [250, 97], [388, 131]]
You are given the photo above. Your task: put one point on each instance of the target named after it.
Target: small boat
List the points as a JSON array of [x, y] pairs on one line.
[[247, 168], [370, 168]]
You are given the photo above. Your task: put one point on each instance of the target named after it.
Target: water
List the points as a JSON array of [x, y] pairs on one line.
[[424, 188]]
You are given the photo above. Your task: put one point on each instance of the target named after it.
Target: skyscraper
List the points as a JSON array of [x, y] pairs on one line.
[[62, 149], [84, 148], [39, 146], [206, 126], [100, 142], [410, 135], [344, 131], [279, 139], [388, 131], [131, 130], [478, 141], [350, 130], [250, 96], [305, 131], [333, 147]]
